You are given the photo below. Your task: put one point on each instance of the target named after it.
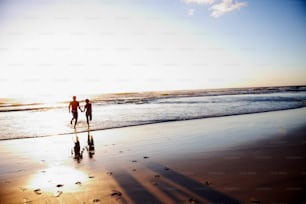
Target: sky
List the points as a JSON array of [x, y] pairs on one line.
[[60, 48]]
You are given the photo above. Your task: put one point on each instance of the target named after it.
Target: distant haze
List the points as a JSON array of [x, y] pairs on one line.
[[62, 48]]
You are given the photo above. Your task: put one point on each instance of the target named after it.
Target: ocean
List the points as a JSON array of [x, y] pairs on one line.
[[38, 119]]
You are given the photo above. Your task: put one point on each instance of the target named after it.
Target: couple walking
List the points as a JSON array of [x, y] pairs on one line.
[[74, 105]]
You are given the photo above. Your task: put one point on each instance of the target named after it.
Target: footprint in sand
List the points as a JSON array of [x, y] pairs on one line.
[[109, 173], [22, 188], [27, 201], [208, 183], [193, 201], [59, 185], [116, 194], [134, 161], [166, 169], [38, 191], [58, 193], [96, 200], [156, 177], [253, 200], [78, 183], [91, 177], [146, 157]]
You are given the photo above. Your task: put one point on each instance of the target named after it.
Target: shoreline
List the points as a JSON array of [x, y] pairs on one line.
[[254, 158], [85, 129]]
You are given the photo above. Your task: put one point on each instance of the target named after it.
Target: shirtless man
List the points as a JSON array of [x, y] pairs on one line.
[[74, 105]]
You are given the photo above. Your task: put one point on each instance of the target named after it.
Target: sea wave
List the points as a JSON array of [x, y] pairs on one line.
[[131, 109], [185, 96]]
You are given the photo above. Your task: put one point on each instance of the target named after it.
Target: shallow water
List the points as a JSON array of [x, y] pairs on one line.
[[118, 110]]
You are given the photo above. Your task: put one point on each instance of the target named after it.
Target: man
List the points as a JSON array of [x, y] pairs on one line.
[[74, 105]]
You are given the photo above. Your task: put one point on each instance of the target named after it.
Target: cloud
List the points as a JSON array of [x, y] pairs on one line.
[[199, 1], [218, 7], [225, 6]]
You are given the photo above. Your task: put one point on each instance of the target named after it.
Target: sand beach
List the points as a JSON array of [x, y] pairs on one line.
[[152, 102], [253, 158]]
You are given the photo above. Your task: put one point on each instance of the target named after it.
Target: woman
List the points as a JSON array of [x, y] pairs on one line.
[[88, 109]]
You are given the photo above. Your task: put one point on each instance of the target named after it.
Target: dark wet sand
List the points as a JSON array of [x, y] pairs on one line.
[[255, 158]]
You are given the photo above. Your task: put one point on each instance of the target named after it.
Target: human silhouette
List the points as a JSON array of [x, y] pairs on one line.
[[74, 105], [78, 154], [88, 111], [91, 146]]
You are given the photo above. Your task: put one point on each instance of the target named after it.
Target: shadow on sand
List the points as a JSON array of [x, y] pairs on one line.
[[177, 187], [135, 190]]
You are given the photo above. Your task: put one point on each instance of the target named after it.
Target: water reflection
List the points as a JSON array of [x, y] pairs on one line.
[[90, 143], [78, 151], [59, 176]]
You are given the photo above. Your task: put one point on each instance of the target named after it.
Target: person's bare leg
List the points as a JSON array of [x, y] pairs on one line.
[[87, 119], [75, 122]]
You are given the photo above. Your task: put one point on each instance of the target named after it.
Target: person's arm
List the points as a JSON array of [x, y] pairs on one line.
[[80, 108], [69, 107]]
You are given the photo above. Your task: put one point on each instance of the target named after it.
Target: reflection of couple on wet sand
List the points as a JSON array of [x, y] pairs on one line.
[[77, 152], [75, 105]]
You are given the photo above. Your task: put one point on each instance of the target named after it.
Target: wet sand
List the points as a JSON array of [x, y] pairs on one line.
[[255, 158]]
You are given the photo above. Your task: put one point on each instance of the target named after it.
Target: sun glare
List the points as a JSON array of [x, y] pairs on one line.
[[93, 55], [57, 179]]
